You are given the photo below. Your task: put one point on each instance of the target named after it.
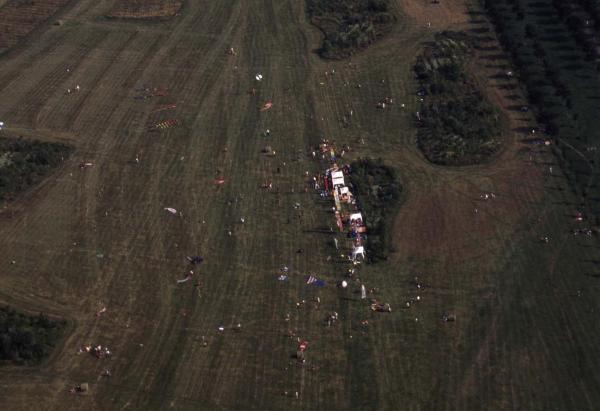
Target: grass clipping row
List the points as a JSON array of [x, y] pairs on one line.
[[457, 124], [145, 9], [349, 25]]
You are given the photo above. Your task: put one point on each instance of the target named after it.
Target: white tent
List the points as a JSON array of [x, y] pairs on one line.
[[337, 177], [355, 216], [345, 190], [356, 251]]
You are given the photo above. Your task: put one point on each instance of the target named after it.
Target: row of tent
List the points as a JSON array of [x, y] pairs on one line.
[[341, 194]]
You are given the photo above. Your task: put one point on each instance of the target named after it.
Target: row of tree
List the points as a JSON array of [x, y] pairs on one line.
[[548, 44], [457, 124]]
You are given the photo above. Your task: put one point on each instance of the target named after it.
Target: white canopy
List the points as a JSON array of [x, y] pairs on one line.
[[345, 190], [356, 251], [337, 178], [339, 181], [355, 216]]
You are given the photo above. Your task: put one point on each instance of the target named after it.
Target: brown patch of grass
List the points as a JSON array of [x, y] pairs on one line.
[[443, 14]]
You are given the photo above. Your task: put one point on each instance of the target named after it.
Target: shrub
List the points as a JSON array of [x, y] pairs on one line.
[[378, 191], [457, 125], [27, 339], [26, 163], [349, 25]]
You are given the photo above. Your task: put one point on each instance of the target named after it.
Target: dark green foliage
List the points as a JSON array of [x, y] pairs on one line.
[[27, 339], [554, 53], [457, 125], [349, 25], [462, 131], [378, 190], [25, 163]]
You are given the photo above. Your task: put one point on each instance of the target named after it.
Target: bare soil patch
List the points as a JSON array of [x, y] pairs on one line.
[[443, 14]]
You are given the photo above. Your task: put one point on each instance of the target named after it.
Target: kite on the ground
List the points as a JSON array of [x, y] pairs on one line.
[[166, 107], [267, 106]]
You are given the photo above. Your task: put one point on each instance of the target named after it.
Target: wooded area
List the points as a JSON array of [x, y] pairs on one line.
[[27, 339], [24, 163], [349, 25]]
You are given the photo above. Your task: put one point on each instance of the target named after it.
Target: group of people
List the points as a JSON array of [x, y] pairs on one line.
[[347, 215]]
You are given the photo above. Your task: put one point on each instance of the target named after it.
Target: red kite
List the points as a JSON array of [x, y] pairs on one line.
[[167, 107]]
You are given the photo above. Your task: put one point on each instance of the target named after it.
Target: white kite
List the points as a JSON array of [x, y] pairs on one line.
[[171, 210]]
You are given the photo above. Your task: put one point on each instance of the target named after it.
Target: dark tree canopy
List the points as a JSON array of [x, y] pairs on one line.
[[27, 339]]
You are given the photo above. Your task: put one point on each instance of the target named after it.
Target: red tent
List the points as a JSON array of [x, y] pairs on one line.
[[303, 346]]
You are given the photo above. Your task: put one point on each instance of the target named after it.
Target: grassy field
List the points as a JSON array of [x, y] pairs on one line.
[[19, 18], [526, 331]]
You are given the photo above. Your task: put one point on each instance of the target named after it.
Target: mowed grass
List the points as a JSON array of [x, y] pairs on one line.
[[523, 338]]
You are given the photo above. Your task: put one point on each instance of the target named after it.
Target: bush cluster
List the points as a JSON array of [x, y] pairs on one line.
[[27, 339], [378, 191], [24, 163], [349, 25], [457, 125]]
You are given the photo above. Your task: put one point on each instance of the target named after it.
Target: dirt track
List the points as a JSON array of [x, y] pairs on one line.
[[100, 237]]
